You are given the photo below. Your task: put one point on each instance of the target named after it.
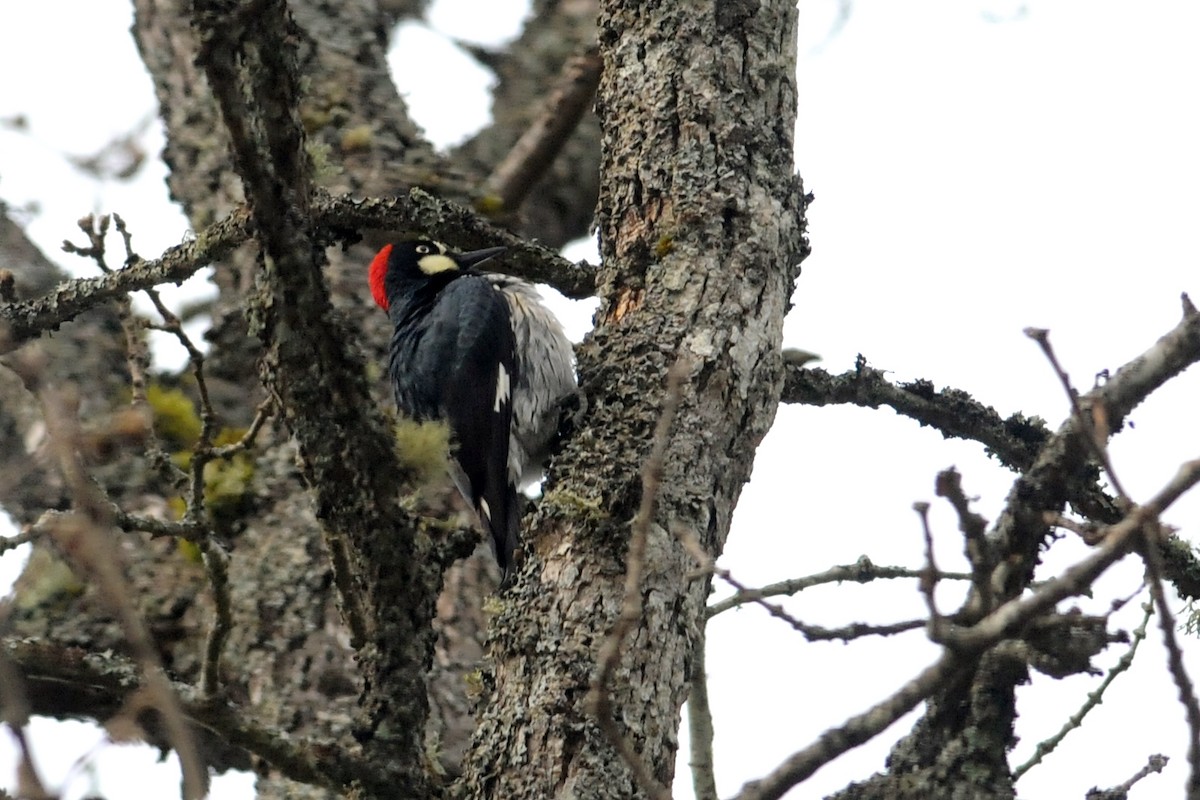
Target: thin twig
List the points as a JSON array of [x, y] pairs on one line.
[[928, 582], [344, 215], [854, 731], [1096, 423], [599, 699], [197, 521], [1154, 764], [15, 712], [861, 571], [1183, 682], [261, 414], [216, 563], [29, 784], [977, 549], [1086, 530], [184, 528], [136, 347], [202, 452], [1094, 698], [812, 633], [54, 668], [12, 542], [84, 536], [1118, 541], [968, 644], [700, 726]]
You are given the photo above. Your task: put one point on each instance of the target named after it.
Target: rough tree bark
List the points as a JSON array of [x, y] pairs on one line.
[[701, 231]]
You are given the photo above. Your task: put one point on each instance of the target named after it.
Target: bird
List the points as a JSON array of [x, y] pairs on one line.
[[480, 351]]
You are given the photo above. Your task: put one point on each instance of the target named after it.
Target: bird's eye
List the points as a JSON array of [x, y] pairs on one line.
[[424, 249]]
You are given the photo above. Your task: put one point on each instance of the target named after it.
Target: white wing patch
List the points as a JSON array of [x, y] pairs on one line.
[[503, 387], [486, 509]]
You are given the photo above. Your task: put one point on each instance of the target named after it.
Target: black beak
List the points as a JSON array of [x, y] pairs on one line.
[[477, 256]]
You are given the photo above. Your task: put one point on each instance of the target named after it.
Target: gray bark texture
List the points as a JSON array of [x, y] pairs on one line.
[[701, 230]]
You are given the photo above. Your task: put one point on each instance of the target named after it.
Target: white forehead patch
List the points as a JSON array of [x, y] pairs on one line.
[[503, 387]]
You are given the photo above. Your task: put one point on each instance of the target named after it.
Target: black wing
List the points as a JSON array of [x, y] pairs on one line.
[[468, 352]]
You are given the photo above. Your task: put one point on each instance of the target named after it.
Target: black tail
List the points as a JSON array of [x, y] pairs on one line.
[[505, 526]]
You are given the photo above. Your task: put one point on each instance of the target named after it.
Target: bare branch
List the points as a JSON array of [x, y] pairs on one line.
[[261, 415], [191, 530], [216, 564], [928, 582], [274, 170], [1155, 764], [15, 712], [30, 318], [29, 784], [84, 536], [1014, 440], [978, 549], [861, 571], [419, 211], [344, 216], [813, 633], [1184, 479], [1087, 530], [700, 726], [385, 580], [1020, 443], [1177, 350], [1095, 424], [13, 542], [197, 518], [965, 645], [1118, 541], [1094, 698], [533, 153], [854, 731], [136, 346], [96, 684], [1166, 622], [1063, 470]]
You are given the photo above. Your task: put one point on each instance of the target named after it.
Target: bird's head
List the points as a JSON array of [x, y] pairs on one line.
[[417, 260]]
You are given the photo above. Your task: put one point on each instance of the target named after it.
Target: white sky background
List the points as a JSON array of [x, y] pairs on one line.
[[978, 167]]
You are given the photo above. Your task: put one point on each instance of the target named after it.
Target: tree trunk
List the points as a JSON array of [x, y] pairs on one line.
[[701, 230]]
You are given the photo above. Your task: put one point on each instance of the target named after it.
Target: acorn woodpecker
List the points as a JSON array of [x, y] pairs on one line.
[[480, 351]]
